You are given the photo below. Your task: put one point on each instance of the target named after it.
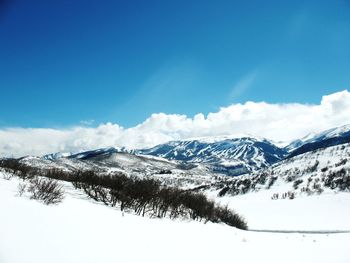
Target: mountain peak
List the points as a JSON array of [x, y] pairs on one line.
[[213, 139], [233, 155]]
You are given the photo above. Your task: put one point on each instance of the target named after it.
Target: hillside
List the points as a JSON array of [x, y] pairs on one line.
[[232, 156], [300, 202], [110, 161], [322, 170], [221, 155], [311, 142], [91, 232]]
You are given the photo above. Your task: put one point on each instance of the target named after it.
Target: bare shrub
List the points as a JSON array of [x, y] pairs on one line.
[[223, 191], [46, 190], [290, 178], [297, 183], [342, 162], [324, 169], [149, 197], [313, 167], [275, 196], [21, 188], [7, 176], [272, 180], [142, 196], [230, 218]]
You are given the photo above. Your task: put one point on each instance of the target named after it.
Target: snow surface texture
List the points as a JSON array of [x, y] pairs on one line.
[[79, 230], [326, 212]]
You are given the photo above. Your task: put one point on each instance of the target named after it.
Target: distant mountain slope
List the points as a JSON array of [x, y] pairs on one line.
[[313, 172], [222, 155], [83, 155], [233, 156], [55, 156], [111, 160], [201, 164], [331, 137]]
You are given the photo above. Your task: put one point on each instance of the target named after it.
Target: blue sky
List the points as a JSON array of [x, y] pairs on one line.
[[64, 63]]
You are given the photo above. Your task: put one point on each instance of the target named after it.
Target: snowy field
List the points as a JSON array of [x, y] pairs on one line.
[[328, 211], [79, 230]]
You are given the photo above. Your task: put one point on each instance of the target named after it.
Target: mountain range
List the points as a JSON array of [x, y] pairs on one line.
[[222, 166], [232, 156], [228, 155]]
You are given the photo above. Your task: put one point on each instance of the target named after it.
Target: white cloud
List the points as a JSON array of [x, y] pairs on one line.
[[273, 121]]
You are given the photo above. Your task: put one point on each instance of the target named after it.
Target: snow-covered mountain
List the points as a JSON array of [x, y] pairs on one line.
[[245, 154], [232, 156], [300, 200], [308, 191], [114, 161], [314, 172], [55, 156], [311, 142], [322, 171], [212, 155], [84, 154]]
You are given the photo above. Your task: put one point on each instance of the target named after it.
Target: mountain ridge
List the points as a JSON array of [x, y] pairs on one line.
[[228, 154]]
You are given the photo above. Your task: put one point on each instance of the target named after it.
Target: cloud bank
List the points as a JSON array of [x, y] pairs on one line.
[[278, 122]]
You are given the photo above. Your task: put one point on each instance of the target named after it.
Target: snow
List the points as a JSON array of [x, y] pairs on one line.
[[79, 230], [314, 137], [329, 211], [338, 131], [213, 139], [248, 153], [58, 155], [311, 173]]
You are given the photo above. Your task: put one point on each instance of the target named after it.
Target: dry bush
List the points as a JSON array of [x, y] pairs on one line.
[[149, 197], [46, 190], [21, 189]]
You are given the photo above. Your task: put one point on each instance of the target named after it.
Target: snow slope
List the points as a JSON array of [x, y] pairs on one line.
[[230, 155], [329, 211], [313, 173], [233, 156], [110, 161], [79, 230], [331, 137]]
